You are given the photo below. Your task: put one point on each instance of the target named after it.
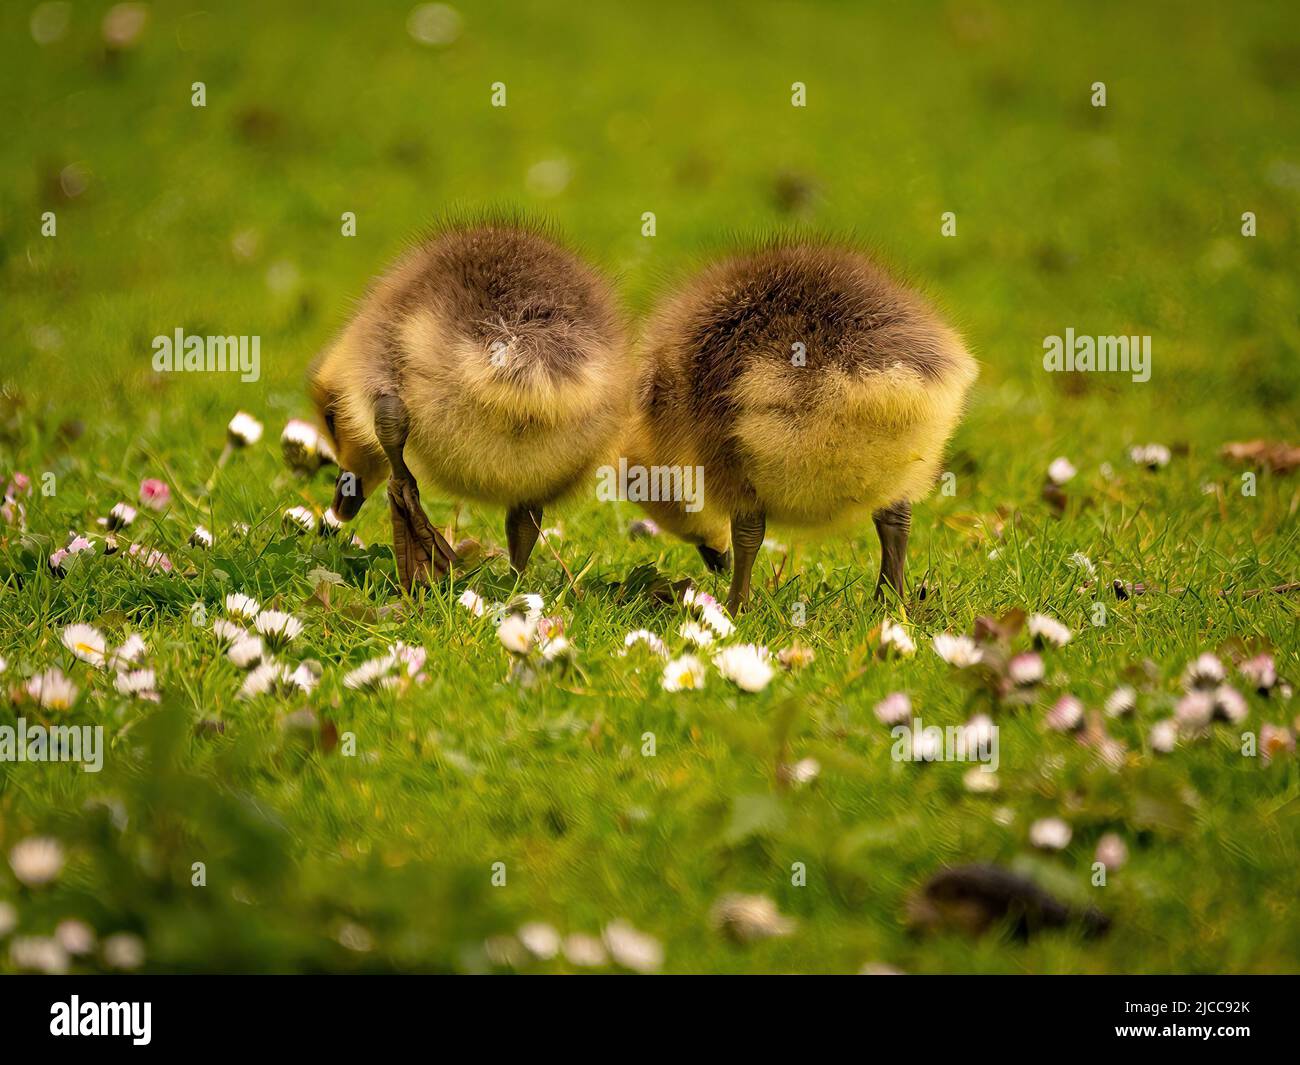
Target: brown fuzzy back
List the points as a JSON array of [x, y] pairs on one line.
[[500, 284], [848, 314], [805, 380]]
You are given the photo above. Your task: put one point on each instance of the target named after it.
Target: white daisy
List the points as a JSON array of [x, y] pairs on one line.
[[130, 651], [517, 633], [1163, 735], [85, 642], [1050, 833], [1260, 672], [693, 597], [530, 604], [746, 665], [804, 771], [299, 442], [471, 601], [1275, 741], [1083, 562], [278, 627], [1066, 715], [122, 950], [1061, 470], [201, 538], [247, 652], [138, 684], [52, 690], [979, 733], [122, 515], [1111, 851], [718, 621], [540, 940], [694, 632], [1121, 702], [557, 649], [631, 949], [36, 860], [959, 651], [896, 638], [41, 954], [300, 519], [268, 677], [1206, 672], [305, 676], [409, 657], [978, 782], [796, 656], [372, 674], [242, 606], [894, 709], [244, 430], [76, 937], [228, 632], [1230, 704], [585, 951], [1153, 456], [928, 747], [645, 636], [683, 674], [330, 523], [749, 918], [1047, 630], [1026, 669]]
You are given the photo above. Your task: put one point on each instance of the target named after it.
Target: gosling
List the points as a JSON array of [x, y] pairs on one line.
[[810, 388], [490, 362]]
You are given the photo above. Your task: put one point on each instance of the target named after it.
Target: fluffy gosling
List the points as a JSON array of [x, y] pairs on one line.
[[489, 361], [811, 389]]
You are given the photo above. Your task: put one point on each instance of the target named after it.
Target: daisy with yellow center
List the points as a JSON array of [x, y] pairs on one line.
[[86, 642], [683, 674]]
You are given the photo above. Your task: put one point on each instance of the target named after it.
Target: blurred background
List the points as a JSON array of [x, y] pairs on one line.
[[226, 218]]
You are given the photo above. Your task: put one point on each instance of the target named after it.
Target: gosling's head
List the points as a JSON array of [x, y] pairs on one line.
[[342, 412]]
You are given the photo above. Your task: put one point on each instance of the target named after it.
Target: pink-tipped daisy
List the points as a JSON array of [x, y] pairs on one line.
[[52, 690], [894, 709], [155, 494]]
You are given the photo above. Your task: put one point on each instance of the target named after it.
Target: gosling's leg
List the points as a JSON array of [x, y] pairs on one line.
[[418, 546], [523, 524], [747, 531], [893, 523]]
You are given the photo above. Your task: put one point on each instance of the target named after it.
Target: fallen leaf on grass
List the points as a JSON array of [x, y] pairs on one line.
[[1274, 455]]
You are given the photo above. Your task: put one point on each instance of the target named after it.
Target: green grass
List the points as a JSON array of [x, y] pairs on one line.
[[1111, 221]]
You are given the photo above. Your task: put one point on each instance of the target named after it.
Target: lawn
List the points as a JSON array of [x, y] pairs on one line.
[[419, 827]]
